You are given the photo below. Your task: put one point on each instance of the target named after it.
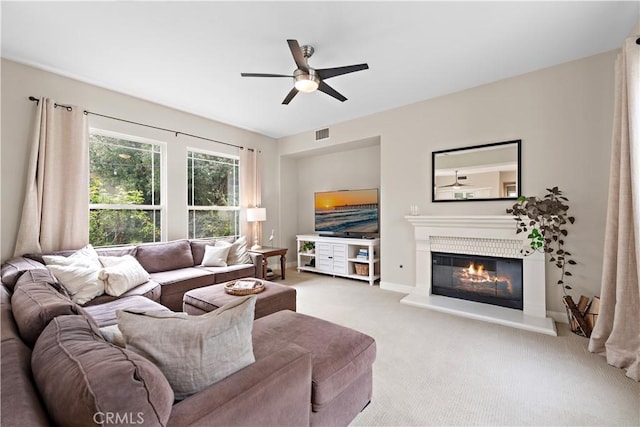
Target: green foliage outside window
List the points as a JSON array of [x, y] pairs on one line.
[[125, 174], [212, 186]]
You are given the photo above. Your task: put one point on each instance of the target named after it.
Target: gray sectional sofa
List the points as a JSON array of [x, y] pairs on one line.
[[57, 367], [174, 268]]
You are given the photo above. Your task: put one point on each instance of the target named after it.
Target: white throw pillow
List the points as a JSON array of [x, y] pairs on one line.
[[238, 253], [193, 352], [78, 273], [121, 273], [80, 280], [87, 254], [215, 256]]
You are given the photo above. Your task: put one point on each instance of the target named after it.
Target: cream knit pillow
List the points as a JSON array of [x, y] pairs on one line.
[[121, 273]]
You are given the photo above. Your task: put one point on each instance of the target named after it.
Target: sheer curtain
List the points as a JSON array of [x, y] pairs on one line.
[[55, 213], [616, 334], [250, 187]]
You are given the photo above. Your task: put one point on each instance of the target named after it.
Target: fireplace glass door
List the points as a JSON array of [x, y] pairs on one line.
[[483, 279]]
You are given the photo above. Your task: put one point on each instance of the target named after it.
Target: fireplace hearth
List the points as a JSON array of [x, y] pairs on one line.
[[489, 280], [484, 276]]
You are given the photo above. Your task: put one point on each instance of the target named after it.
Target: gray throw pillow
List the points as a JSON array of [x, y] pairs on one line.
[[238, 253], [193, 352]]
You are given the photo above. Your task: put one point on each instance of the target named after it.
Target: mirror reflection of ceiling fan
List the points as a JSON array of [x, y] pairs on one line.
[[307, 79], [456, 185]]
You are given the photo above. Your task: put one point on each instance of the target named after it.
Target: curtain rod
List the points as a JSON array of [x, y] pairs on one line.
[[69, 108]]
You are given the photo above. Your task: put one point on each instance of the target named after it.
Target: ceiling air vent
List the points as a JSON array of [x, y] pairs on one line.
[[322, 134]]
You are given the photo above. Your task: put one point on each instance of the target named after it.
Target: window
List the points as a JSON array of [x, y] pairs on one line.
[[213, 195], [125, 201]]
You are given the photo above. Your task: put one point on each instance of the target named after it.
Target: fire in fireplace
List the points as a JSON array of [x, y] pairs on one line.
[[484, 279]]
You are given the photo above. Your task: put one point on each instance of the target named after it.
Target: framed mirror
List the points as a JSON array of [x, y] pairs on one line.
[[480, 172]]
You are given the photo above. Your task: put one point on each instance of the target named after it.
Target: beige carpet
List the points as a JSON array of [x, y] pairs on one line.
[[437, 369]]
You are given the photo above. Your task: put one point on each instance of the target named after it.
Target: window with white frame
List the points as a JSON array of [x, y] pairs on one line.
[[213, 194], [125, 196]]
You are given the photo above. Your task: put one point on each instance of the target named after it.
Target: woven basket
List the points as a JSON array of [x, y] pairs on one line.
[[257, 288], [362, 269]]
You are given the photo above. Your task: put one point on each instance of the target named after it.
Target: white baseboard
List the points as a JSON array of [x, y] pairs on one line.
[[395, 287]]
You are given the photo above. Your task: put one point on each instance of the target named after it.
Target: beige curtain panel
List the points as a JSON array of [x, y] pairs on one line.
[[250, 188], [55, 213], [617, 332]]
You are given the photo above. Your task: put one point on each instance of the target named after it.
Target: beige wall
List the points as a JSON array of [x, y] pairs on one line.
[[563, 115], [20, 81], [354, 169]]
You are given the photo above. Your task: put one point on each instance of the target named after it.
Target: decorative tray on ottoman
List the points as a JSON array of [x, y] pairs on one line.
[[244, 287]]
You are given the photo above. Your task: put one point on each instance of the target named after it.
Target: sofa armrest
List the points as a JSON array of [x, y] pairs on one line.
[[257, 259], [273, 391]]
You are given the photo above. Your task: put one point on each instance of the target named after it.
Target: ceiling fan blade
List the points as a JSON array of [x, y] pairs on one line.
[[455, 184], [327, 73], [290, 96], [323, 87], [297, 55], [263, 75]]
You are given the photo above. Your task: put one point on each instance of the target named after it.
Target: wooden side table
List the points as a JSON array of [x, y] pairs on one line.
[[269, 252]]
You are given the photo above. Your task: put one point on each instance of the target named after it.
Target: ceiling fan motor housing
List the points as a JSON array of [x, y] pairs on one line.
[[306, 81]]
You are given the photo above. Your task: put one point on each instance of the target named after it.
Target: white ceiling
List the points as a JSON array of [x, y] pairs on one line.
[[189, 55]]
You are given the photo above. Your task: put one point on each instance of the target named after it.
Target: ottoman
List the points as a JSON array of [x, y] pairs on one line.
[[341, 362], [274, 298]]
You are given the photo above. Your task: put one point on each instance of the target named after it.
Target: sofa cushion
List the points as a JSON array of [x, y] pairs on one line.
[[165, 256], [34, 304], [121, 274], [215, 256], [13, 269], [20, 402], [117, 251], [8, 327], [339, 355], [193, 352], [80, 375], [105, 314], [150, 290], [175, 283], [231, 272]]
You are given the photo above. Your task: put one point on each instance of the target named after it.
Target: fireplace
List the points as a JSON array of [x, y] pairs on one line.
[[489, 280], [509, 289]]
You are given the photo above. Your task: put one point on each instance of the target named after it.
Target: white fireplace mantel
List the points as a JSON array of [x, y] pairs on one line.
[[489, 235]]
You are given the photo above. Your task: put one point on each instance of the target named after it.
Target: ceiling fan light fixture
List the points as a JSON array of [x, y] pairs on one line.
[[306, 82]]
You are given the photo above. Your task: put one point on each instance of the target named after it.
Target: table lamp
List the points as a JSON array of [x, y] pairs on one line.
[[256, 215]]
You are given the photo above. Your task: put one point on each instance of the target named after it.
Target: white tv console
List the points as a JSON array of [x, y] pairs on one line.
[[338, 256]]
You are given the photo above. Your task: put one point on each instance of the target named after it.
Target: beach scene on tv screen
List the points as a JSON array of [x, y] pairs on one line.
[[353, 211]]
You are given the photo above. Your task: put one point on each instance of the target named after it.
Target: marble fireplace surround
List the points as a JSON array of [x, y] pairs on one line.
[[489, 235]]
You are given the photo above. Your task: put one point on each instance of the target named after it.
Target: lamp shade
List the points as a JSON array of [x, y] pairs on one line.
[[256, 214]]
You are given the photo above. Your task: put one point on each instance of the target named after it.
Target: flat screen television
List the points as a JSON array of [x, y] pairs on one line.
[[347, 213]]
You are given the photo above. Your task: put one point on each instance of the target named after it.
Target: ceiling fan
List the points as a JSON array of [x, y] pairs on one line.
[[307, 79], [456, 185]]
